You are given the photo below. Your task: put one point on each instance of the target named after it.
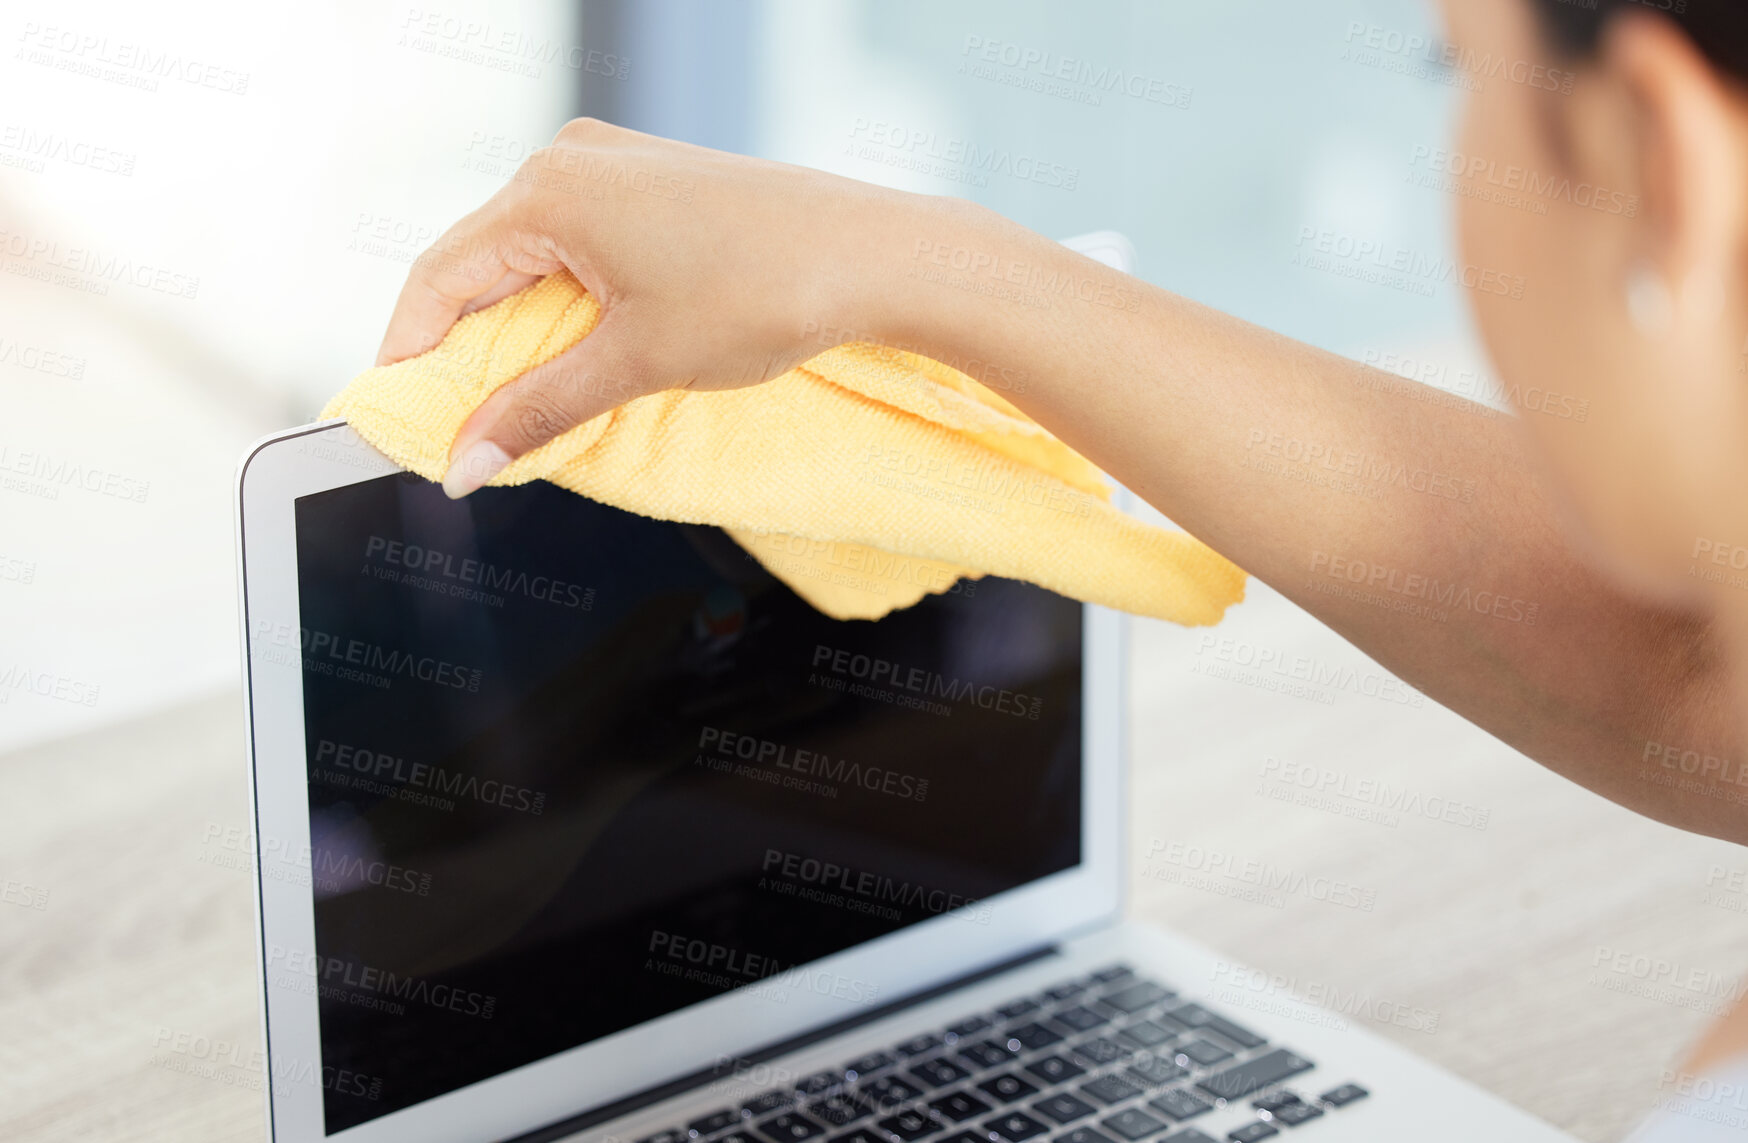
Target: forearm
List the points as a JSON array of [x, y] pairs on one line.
[[1409, 521]]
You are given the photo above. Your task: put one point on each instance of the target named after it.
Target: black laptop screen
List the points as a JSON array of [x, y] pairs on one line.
[[571, 769]]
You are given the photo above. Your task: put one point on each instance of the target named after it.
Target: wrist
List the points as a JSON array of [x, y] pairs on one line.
[[893, 293]]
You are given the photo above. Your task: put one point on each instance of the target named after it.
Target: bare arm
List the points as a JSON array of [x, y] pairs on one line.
[[1409, 522]]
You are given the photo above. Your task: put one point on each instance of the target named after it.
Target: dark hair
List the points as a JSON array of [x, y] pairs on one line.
[[1718, 27]]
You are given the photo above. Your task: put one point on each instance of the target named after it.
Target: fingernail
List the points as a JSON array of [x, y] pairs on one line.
[[482, 461]]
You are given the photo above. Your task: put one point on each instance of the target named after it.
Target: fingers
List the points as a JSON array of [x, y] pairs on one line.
[[479, 260], [593, 376], [461, 266], [512, 282]]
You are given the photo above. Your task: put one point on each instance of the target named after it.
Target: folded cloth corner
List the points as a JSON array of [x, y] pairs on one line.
[[864, 479]]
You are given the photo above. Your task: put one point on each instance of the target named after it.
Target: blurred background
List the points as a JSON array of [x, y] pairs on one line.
[[272, 209], [206, 211]]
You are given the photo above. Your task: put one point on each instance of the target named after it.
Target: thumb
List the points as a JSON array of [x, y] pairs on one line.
[[599, 373]]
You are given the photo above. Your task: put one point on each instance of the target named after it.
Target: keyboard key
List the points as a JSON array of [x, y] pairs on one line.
[[1100, 1050], [1189, 1135], [1147, 1034], [1008, 1088], [890, 1091], [986, 1054], [1238, 1082], [968, 1027], [1191, 1015], [959, 1106], [671, 1135], [1063, 992], [1133, 1123], [1164, 1020], [1195, 1016], [1251, 1132], [1110, 975], [939, 1072], [765, 1104], [1274, 1102], [1017, 1009], [918, 1045], [961, 1137], [1237, 1033], [1031, 1037], [1155, 1072], [1344, 1095], [839, 1109], [869, 1064], [711, 1124], [1064, 1108], [1110, 1089], [1054, 1069], [790, 1127], [735, 1137], [1136, 996], [1296, 1113], [1204, 1052], [818, 1083], [1180, 1104], [1080, 1018], [862, 1135], [910, 1124], [1015, 1126], [1083, 1135]]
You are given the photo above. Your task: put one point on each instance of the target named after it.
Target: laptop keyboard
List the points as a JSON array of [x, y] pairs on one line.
[[1108, 1058]]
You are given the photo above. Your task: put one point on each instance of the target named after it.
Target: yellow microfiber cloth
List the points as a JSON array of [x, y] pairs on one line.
[[864, 479]]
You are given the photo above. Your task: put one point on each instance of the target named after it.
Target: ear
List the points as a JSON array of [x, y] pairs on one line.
[[1690, 134]]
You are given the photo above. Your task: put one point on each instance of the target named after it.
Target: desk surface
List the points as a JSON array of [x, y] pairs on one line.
[[1487, 950]]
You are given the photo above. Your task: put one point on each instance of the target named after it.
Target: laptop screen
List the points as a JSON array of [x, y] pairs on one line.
[[571, 769]]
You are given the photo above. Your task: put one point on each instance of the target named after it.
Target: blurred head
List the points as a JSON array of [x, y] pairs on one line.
[[1635, 302]]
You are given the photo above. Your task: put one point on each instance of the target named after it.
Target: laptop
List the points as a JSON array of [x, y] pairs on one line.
[[573, 824]]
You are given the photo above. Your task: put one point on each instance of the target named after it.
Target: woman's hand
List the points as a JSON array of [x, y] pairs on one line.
[[711, 270]]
